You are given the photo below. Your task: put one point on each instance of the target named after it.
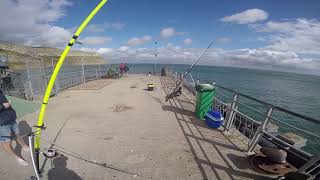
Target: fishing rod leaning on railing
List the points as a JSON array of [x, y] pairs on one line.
[[187, 73]]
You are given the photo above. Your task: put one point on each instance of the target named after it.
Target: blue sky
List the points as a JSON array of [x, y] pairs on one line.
[[200, 20], [269, 34]]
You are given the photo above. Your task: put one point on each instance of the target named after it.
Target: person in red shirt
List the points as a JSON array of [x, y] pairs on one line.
[[121, 67]]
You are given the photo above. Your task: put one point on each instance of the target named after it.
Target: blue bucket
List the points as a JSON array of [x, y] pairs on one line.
[[213, 119]]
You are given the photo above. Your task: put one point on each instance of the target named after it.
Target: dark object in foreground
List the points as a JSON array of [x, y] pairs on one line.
[[265, 164], [276, 155], [176, 93], [296, 176]]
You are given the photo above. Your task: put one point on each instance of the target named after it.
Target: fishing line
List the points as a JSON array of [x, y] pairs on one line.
[[25, 135], [187, 73], [22, 136], [54, 140], [78, 156]]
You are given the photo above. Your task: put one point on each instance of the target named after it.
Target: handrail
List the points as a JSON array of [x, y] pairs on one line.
[[288, 145], [296, 128], [222, 94], [273, 106], [257, 111], [269, 106]]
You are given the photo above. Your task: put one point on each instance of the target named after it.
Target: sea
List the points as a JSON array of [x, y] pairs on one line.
[[299, 93]]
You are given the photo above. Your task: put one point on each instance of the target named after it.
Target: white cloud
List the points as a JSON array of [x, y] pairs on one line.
[[139, 41], [124, 48], [224, 40], [247, 58], [85, 49], [170, 32], [187, 41], [95, 40], [261, 39], [117, 25], [30, 22], [268, 59], [167, 32], [300, 35], [104, 50], [105, 26], [101, 51], [247, 16], [54, 36], [95, 28]]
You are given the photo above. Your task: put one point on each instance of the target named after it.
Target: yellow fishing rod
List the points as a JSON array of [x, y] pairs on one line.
[[54, 75]]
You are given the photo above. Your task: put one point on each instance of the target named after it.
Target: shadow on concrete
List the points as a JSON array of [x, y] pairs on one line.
[[24, 128], [186, 101], [54, 140], [240, 161], [209, 146], [60, 170], [177, 110]]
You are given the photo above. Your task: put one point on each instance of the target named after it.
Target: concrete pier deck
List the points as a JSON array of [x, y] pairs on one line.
[[120, 123]]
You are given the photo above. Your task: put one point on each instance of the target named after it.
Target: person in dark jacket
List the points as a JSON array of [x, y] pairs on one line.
[[126, 68], [9, 129]]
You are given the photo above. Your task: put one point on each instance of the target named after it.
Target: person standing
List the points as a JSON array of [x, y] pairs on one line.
[[9, 129], [126, 68], [121, 67]]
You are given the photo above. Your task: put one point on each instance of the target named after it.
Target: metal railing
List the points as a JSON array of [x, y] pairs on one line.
[[35, 75], [257, 124], [65, 80]]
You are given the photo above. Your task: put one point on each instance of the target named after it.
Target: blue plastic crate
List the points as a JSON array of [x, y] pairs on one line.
[[213, 119]]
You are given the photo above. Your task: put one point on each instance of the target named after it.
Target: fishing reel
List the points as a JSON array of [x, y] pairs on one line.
[[175, 93], [50, 153]]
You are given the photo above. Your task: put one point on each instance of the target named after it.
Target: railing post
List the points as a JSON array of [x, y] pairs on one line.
[[259, 132], [52, 67], [196, 93], [231, 115], [44, 78], [57, 83], [306, 168], [192, 79], [99, 72], [106, 69], [175, 78], [83, 75], [29, 80]]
